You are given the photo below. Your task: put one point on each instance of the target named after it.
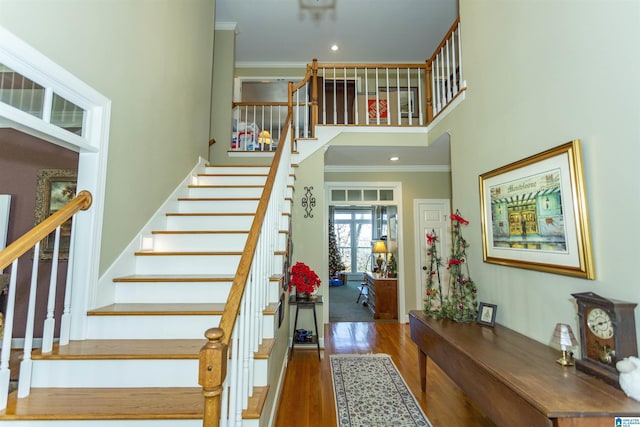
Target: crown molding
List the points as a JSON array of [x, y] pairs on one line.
[[373, 169]]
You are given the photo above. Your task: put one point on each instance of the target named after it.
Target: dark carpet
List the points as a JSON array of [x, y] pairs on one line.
[[342, 304]]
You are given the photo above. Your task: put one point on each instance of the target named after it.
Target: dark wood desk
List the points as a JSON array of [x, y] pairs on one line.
[[513, 379], [382, 297]]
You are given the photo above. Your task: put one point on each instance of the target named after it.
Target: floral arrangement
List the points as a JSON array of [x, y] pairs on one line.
[[304, 279], [460, 303]]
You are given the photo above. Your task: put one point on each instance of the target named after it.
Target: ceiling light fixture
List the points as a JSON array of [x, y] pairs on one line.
[[394, 158], [334, 47]]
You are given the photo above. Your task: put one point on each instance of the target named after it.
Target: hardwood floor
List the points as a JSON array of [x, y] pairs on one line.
[[307, 396]]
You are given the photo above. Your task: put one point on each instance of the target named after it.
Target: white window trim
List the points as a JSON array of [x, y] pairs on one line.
[[92, 165]]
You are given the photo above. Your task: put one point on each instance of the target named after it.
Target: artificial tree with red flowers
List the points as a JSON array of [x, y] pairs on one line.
[[303, 278], [461, 302], [434, 298]]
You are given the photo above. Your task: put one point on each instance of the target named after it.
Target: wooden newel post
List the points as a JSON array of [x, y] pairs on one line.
[[429, 69], [211, 374], [314, 97]]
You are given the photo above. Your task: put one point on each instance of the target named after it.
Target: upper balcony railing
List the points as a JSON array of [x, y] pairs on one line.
[[356, 95]]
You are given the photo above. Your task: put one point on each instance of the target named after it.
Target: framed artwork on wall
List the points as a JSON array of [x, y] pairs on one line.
[[534, 214], [407, 98], [55, 188]]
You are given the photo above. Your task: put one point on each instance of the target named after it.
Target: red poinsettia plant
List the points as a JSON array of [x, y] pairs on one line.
[[303, 279]]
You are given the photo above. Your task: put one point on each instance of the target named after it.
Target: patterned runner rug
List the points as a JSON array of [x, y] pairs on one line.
[[369, 391]]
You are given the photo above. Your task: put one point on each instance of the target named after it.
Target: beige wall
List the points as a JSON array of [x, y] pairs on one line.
[[542, 74], [222, 94], [133, 52]]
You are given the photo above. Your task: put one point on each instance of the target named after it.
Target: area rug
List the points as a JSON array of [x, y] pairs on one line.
[[369, 391]]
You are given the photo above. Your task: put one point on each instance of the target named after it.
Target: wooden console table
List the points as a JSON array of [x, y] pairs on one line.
[[383, 296], [514, 379]]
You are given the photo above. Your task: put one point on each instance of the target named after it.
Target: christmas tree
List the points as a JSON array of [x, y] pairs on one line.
[[460, 303], [335, 261]]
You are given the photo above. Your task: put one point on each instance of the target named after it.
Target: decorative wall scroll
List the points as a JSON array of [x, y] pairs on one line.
[[308, 202]]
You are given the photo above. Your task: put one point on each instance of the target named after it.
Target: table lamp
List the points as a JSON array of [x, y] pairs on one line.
[[379, 248], [563, 335]]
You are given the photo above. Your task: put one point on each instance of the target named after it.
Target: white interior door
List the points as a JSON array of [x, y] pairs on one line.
[[432, 215]]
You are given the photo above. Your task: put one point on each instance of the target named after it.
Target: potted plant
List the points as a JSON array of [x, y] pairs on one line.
[[304, 279], [392, 267]]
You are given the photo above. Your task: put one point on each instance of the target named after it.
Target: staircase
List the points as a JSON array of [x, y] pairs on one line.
[[139, 363]]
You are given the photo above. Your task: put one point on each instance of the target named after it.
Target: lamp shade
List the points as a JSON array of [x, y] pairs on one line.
[[379, 247], [563, 335]]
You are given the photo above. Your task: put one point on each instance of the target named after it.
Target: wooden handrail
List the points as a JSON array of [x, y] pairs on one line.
[[259, 104], [446, 37], [213, 355], [28, 240]]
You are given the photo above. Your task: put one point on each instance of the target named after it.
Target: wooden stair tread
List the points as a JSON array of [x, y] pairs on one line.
[[265, 349], [256, 403], [225, 186], [209, 165], [185, 253], [218, 199], [124, 349], [142, 309], [107, 404], [200, 232], [271, 308], [211, 214], [136, 278], [234, 174]]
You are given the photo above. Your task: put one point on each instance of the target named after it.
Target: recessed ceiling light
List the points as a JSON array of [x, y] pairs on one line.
[[394, 158], [334, 47]]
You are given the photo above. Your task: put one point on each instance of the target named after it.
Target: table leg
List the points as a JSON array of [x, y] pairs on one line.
[[315, 323], [422, 367]]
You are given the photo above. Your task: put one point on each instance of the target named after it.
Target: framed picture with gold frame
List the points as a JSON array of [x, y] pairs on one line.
[[55, 188], [534, 214]]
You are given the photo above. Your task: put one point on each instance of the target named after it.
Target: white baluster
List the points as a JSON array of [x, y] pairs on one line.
[[355, 79], [366, 95], [454, 42], [5, 354], [409, 106], [24, 384], [50, 322], [460, 56], [65, 320]]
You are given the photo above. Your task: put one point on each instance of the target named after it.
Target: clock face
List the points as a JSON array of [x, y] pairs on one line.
[[600, 342], [599, 323]]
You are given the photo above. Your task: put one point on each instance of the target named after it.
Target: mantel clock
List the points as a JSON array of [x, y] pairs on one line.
[[607, 334]]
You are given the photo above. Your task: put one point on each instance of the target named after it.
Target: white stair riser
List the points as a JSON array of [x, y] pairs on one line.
[[199, 242], [225, 191], [269, 325], [281, 244], [284, 222], [234, 170], [231, 180], [217, 206], [171, 292], [187, 264], [150, 327], [195, 223], [116, 373]]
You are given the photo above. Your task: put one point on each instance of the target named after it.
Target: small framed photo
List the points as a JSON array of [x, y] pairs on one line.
[[487, 314]]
